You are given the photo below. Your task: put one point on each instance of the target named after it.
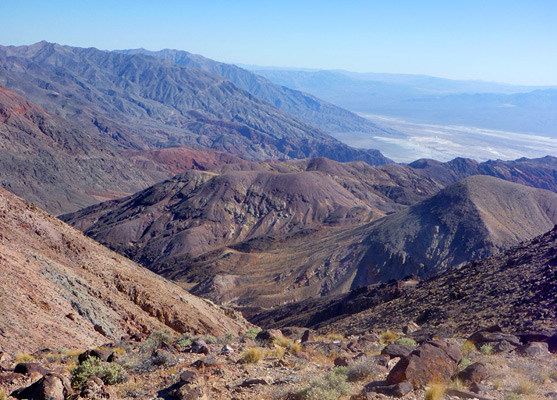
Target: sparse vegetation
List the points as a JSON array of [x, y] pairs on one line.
[[335, 336], [295, 348], [435, 392], [23, 358], [388, 337], [330, 387], [513, 396], [406, 341], [467, 348], [524, 387], [227, 339], [184, 340], [364, 368], [252, 333], [253, 355], [464, 363], [210, 339], [486, 349], [3, 395], [155, 340], [110, 373]]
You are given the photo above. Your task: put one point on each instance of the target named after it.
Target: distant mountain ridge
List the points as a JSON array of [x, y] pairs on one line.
[[326, 116], [141, 102], [526, 109]]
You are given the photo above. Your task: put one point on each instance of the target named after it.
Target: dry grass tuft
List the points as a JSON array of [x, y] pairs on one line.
[[253, 355], [388, 337], [467, 348], [524, 387], [23, 358], [335, 336], [435, 392]]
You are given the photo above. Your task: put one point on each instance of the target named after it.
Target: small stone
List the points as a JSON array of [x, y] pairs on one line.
[[255, 381], [199, 346], [226, 349]]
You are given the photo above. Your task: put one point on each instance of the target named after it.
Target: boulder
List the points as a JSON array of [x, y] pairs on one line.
[[255, 381], [535, 349], [552, 343], [269, 335], [397, 350], [476, 372], [308, 336], [492, 337], [434, 361], [103, 355], [187, 392], [51, 387], [395, 390], [30, 368], [503, 347], [411, 327], [341, 361], [188, 377], [198, 346], [92, 388]]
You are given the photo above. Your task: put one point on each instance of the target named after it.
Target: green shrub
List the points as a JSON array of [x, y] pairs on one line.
[[406, 341], [464, 363], [486, 349], [184, 340], [228, 338], [155, 340], [110, 373], [209, 339], [252, 333], [330, 387]]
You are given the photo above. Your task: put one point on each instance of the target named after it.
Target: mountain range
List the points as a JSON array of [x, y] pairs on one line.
[[212, 230]]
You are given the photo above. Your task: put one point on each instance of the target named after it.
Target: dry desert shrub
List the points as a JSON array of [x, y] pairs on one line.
[[435, 392], [251, 356]]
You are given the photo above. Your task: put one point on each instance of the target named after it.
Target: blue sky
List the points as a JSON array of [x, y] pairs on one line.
[[495, 40]]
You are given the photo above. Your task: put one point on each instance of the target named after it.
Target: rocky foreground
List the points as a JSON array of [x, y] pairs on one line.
[[293, 364]]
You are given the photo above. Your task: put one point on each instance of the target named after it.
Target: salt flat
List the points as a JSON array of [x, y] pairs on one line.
[[444, 143]]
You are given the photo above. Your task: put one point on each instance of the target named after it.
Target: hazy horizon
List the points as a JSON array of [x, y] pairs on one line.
[[498, 41]]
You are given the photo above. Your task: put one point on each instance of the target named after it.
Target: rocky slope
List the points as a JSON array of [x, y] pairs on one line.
[[57, 165], [60, 289], [473, 218], [141, 102], [515, 289]]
